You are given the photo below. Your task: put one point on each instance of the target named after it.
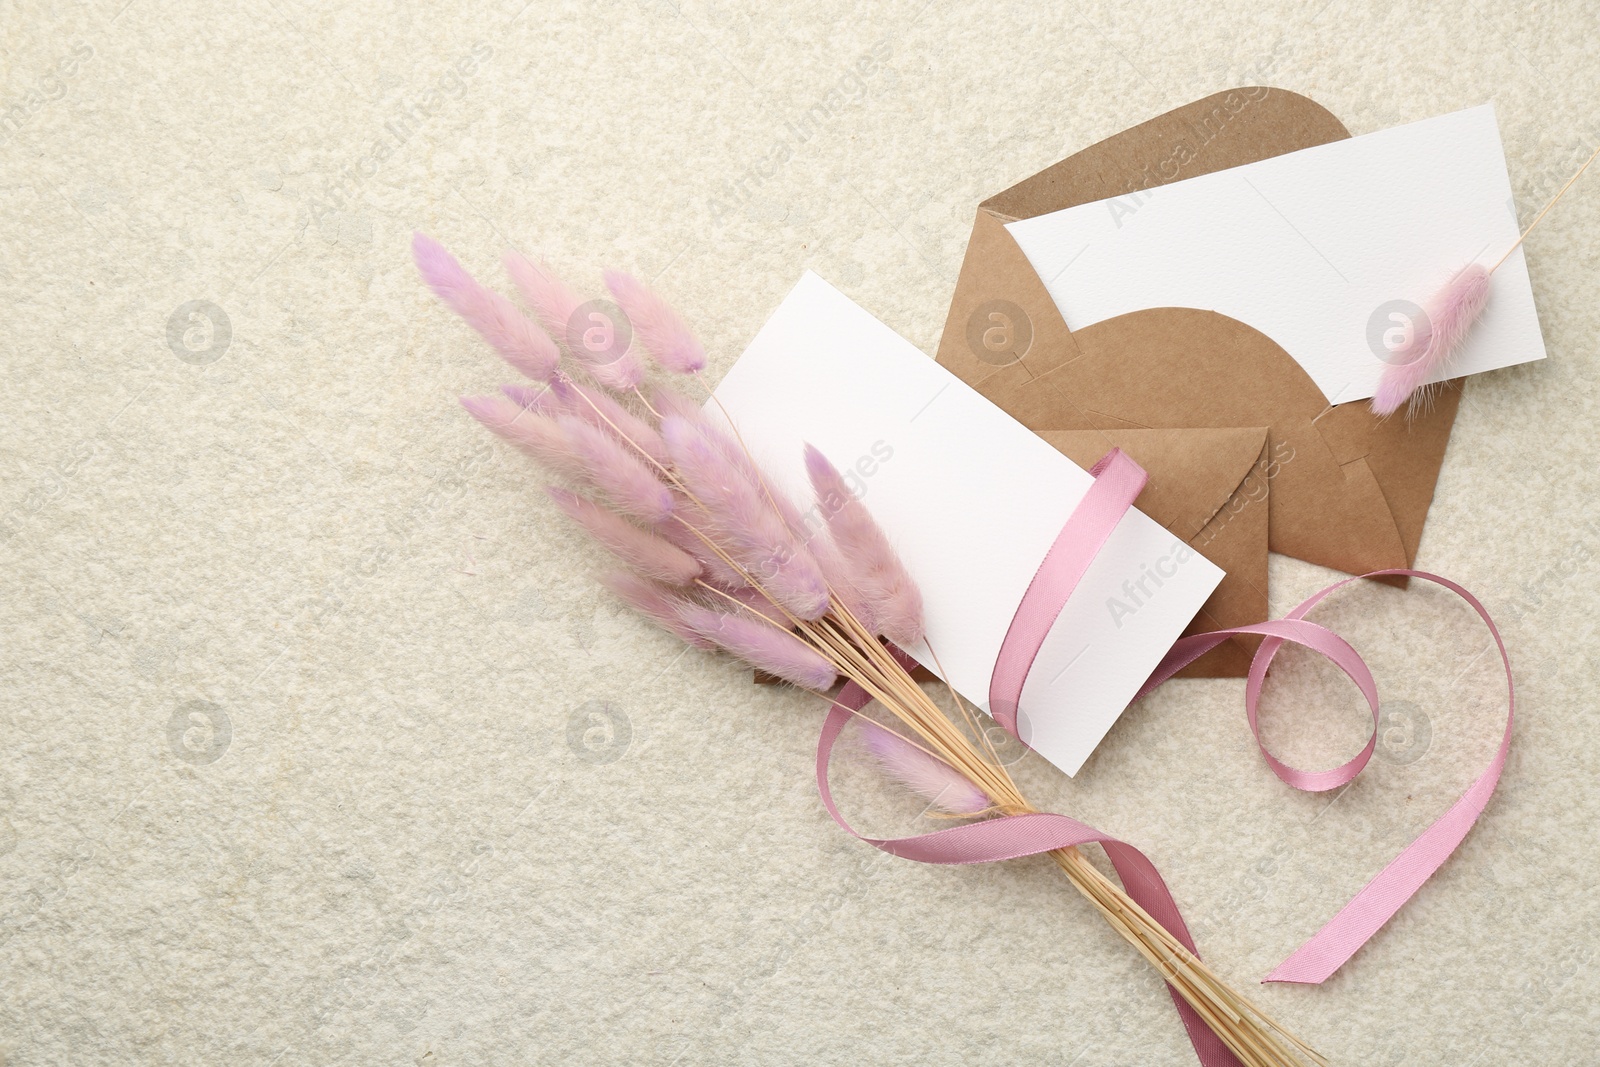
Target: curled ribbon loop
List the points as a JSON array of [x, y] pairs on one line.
[[1117, 482]]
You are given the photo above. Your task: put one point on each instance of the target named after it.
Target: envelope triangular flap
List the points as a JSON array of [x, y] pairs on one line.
[[1226, 129], [1182, 367]]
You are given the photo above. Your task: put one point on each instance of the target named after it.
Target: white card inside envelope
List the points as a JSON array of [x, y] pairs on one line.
[[1329, 251], [972, 500]]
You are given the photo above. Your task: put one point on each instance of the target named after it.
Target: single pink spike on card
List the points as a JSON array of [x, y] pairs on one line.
[[1447, 319]]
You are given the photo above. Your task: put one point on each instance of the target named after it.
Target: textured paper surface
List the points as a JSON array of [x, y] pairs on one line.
[[468, 811], [972, 501], [1328, 251]]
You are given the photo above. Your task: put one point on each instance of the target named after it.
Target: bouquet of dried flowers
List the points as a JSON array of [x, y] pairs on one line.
[[712, 553]]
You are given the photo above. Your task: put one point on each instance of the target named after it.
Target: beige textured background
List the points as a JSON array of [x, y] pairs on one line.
[[317, 743]]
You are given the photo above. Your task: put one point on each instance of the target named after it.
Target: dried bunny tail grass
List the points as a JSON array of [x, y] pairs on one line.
[[932, 779], [841, 581], [757, 603], [657, 603], [539, 436], [572, 448], [763, 645], [651, 556], [594, 406], [617, 471], [670, 402], [551, 298], [872, 569], [558, 307], [664, 334], [745, 524], [539, 399], [620, 372], [1448, 317], [688, 527], [511, 333]]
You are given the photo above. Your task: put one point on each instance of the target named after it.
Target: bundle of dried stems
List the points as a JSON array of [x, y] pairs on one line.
[[720, 559]]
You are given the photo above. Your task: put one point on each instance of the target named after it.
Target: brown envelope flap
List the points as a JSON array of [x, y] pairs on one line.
[[1193, 472], [1001, 313], [1220, 131], [1179, 367]]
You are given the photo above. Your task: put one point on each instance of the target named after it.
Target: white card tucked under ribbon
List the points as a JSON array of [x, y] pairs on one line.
[[972, 500], [1329, 251]]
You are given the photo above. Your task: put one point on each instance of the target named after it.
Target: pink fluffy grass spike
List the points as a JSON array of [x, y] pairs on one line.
[[657, 603], [551, 299], [617, 471], [539, 436], [873, 570], [517, 338], [600, 345], [745, 524], [1447, 319], [648, 554], [932, 779], [760, 644], [594, 406], [663, 334]]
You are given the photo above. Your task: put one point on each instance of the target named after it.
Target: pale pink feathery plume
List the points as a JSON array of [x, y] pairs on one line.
[[841, 579], [681, 529], [664, 334], [539, 436], [872, 568], [617, 471], [762, 645], [651, 556], [558, 307], [657, 603], [1450, 315], [540, 399], [759, 604], [930, 778], [744, 522], [594, 406], [573, 448], [671, 402], [551, 298], [1447, 318], [517, 338]]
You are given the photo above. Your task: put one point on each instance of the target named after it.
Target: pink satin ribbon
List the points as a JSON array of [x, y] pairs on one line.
[[1118, 481]]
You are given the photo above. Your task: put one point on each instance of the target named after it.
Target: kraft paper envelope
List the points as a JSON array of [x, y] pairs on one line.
[[1348, 490]]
